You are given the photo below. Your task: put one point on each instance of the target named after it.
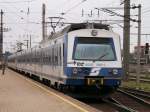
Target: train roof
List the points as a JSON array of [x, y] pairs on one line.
[[77, 26]]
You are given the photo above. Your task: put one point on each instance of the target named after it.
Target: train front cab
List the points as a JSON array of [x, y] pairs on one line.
[[93, 60]]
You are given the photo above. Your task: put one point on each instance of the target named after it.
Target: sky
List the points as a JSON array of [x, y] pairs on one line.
[[23, 18]]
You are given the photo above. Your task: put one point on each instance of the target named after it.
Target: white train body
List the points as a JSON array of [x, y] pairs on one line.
[[76, 57]]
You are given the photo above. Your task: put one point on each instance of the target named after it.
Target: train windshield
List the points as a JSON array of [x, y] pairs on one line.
[[95, 49]]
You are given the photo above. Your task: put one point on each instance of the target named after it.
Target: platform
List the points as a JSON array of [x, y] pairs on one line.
[[20, 94]]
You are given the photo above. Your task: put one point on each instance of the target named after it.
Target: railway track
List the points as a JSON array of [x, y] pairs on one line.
[[138, 93], [131, 101], [99, 104], [123, 100], [108, 104], [117, 105]]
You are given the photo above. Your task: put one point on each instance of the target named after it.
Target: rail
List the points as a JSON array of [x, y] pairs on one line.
[[136, 92], [120, 107], [140, 100]]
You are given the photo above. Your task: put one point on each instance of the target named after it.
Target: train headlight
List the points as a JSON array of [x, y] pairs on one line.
[[115, 71], [75, 70]]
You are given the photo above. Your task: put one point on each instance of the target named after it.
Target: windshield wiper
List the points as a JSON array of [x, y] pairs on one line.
[[103, 56]]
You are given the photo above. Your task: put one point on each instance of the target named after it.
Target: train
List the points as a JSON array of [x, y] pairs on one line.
[[82, 55]]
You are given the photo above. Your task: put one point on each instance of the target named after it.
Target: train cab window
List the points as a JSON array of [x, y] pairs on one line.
[[96, 49]]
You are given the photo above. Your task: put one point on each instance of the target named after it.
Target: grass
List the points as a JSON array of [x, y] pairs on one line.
[[132, 84]]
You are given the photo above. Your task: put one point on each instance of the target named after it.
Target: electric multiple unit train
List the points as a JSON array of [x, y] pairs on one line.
[[81, 55]]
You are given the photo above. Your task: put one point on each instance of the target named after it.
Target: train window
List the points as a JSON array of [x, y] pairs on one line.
[[37, 56], [29, 57], [50, 62], [56, 56], [60, 55], [40, 56], [97, 49], [44, 56], [24, 58], [56, 60], [32, 57], [49, 56], [63, 49], [53, 56]]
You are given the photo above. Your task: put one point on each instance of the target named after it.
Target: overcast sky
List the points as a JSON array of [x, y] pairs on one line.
[[23, 22]]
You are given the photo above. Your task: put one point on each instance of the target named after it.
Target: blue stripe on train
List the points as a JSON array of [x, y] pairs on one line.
[[85, 71]]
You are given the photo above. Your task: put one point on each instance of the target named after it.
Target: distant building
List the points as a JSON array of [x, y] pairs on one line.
[[142, 51], [145, 58]]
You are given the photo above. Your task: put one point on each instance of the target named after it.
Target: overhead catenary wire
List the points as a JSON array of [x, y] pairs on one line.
[[147, 11], [146, 8], [18, 1], [59, 13], [63, 13], [115, 14], [62, 4], [19, 25], [21, 28]]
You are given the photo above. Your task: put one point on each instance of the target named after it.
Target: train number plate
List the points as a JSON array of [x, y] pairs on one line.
[[94, 81]]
